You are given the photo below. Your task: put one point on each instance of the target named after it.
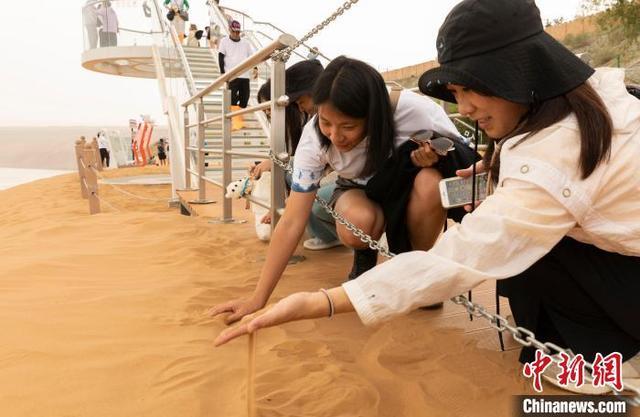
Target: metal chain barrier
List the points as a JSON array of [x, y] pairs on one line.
[[125, 192], [523, 336], [285, 54]]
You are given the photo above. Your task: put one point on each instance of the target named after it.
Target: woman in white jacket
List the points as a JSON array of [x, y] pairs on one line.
[[561, 230]]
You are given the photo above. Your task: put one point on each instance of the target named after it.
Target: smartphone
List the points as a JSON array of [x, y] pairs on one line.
[[456, 191]]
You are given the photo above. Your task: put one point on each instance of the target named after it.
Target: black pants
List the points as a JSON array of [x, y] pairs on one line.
[[108, 39], [579, 297], [240, 91], [104, 157]]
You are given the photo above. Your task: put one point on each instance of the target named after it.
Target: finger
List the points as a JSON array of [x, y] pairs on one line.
[[268, 319], [466, 172], [230, 334], [220, 308], [233, 317]]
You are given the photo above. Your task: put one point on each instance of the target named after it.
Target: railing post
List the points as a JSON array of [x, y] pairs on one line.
[[80, 144], [202, 184], [90, 161], [187, 152], [278, 145], [227, 166], [200, 154]]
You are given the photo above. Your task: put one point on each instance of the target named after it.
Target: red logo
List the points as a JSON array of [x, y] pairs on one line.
[[536, 368], [608, 369]]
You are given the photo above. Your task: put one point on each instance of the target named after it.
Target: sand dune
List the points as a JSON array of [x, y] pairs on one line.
[[103, 316]]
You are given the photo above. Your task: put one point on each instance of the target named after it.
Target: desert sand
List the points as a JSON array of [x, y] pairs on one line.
[[103, 315]]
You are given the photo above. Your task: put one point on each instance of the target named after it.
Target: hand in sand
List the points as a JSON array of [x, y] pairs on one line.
[[299, 306], [424, 156], [467, 172], [238, 309]]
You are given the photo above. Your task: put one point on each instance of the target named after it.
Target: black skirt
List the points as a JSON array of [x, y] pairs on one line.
[[392, 184], [579, 297]]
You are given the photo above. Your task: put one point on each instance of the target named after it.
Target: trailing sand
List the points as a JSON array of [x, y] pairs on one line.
[[103, 316]]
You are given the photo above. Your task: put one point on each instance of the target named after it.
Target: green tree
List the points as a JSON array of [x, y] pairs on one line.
[[616, 13]]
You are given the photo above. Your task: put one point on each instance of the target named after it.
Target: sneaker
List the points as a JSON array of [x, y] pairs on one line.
[[319, 244], [363, 260]]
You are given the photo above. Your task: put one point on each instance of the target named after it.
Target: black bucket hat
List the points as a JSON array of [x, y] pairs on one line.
[[500, 48]]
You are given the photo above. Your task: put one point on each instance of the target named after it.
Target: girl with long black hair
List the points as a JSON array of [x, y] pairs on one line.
[[356, 132]]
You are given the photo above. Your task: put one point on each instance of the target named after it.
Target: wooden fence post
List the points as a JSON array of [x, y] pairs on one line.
[[80, 144], [96, 150], [91, 161]]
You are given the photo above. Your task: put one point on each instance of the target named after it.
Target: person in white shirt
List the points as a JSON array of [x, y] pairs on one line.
[[231, 52], [356, 132], [109, 28], [561, 231], [103, 146]]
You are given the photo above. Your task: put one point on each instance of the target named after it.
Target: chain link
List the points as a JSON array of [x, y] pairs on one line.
[[521, 335], [285, 54]]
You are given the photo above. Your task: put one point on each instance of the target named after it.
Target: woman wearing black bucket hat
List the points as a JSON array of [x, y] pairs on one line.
[[561, 230]]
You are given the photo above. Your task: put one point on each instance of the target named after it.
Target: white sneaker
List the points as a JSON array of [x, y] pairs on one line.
[[319, 244]]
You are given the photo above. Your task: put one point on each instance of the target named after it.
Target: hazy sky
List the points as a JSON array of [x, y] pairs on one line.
[[44, 83]]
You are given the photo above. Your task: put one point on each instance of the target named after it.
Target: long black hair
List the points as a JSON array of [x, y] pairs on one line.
[[294, 119], [357, 90]]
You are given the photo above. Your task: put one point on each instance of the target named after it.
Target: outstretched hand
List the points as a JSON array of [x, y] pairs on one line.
[[238, 309], [299, 306]]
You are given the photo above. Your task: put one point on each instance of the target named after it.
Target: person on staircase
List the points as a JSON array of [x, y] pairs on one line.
[[179, 9], [232, 51]]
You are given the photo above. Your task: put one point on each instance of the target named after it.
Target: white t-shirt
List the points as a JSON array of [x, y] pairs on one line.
[[234, 53], [103, 142], [413, 113]]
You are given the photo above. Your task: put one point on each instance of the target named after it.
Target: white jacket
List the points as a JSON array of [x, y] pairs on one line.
[[540, 199]]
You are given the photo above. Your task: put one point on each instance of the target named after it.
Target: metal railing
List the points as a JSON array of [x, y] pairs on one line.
[[277, 130], [251, 26]]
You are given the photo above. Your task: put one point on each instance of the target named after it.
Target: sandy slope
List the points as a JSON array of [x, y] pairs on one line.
[[103, 316]]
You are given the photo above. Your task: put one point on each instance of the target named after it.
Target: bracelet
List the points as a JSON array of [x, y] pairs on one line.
[[331, 307]]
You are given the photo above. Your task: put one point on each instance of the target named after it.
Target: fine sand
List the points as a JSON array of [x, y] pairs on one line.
[[103, 315]]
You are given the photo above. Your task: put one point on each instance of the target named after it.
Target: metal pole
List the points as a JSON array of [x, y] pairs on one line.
[[278, 146], [187, 156], [227, 209], [202, 198]]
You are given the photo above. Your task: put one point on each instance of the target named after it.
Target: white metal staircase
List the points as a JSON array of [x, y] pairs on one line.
[[204, 69]]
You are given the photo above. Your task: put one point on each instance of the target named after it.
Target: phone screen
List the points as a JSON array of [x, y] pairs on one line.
[[459, 190]]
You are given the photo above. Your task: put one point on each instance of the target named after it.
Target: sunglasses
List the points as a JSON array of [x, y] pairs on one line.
[[440, 144]]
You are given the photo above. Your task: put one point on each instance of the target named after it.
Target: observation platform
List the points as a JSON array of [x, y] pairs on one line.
[[131, 61]]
